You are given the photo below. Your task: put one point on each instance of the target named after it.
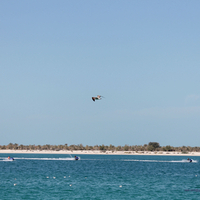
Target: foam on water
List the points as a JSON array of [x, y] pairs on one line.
[[168, 161], [5, 159]]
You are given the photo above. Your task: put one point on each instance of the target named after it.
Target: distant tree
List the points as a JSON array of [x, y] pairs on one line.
[[126, 147], [152, 146], [141, 148], [81, 147], [86, 147], [168, 148], [111, 147], [96, 147], [66, 147], [102, 147], [196, 149], [10, 146], [15, 146], [72, 147], [3, 147], [39, 147], [119, 148], [91, 148]]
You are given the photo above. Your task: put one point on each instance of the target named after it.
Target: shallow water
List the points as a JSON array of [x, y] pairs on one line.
[[36, 176]]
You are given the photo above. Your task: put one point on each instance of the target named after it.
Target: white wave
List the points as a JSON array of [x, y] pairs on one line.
[[185, 160], [39, 159], [6, 160], [44, 159], [174, 161]]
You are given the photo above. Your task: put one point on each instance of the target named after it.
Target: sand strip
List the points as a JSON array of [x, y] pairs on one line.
[[97, 152]]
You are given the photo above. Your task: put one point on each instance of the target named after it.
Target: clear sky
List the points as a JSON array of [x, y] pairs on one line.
[[142, 56]]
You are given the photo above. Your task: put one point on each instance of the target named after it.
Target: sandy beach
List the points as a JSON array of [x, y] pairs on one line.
[[97, 152]]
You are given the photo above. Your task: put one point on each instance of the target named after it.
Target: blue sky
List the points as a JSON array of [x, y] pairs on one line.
[[142, 56]]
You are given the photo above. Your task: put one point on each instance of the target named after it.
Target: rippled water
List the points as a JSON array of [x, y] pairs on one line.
[[33, 176]]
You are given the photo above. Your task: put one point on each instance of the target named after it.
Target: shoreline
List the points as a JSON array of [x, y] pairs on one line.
[[98, 152]]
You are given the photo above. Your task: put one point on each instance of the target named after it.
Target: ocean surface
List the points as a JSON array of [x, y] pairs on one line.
[[49, 176]]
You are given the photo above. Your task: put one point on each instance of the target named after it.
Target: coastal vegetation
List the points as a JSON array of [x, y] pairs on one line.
[[151, 146]]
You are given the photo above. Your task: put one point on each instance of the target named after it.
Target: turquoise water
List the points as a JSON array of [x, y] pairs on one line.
[[33, 176]]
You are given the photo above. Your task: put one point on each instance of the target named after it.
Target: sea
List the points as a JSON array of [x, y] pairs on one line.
[[58, 176]]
